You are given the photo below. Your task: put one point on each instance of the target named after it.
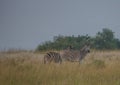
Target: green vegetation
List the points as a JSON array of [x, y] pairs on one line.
[[102, 40]]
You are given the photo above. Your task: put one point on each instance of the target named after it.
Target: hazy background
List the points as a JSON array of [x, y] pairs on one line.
[[26, 23]]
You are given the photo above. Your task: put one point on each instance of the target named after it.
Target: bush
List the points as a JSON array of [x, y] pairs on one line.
[[104, 40]]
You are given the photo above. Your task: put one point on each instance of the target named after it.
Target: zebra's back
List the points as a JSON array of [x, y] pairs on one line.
[[75, 55], [52, 56], [72, 56]]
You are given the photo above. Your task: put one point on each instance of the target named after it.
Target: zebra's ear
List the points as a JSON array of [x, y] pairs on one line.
[[69, 47]]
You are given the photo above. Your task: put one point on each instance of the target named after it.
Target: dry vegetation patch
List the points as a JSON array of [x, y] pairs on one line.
[[27, 68]]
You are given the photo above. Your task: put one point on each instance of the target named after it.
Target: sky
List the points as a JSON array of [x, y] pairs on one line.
[[24, 24]]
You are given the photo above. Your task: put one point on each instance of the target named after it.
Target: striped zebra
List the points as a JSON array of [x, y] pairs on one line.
[[75, 55], [52, 57]]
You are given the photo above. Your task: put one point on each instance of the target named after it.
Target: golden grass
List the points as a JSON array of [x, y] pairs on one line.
[[27, 68]]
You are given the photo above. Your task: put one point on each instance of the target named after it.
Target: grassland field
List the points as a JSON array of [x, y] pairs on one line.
[[27, 68]]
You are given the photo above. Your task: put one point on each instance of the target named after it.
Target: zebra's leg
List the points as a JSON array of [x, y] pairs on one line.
[[45, 59], [80, 60], [60, 59]]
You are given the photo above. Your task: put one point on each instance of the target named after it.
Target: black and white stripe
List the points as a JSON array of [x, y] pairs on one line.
[[75, 55], [52, 57]]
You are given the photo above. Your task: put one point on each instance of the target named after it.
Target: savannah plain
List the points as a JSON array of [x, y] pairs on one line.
[[27, 68]]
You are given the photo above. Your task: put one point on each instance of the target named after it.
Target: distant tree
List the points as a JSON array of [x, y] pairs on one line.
[[102, 40], [105, 39]]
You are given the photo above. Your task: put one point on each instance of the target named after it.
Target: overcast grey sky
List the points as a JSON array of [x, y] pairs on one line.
[[26, 23]]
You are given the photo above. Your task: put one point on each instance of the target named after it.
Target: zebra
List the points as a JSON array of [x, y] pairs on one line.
[[52, 56], [75, 55]]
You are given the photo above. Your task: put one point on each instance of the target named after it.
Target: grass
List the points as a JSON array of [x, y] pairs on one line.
[[27, 68]]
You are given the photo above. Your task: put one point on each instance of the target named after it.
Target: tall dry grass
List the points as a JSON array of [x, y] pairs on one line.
[[27, 68]]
